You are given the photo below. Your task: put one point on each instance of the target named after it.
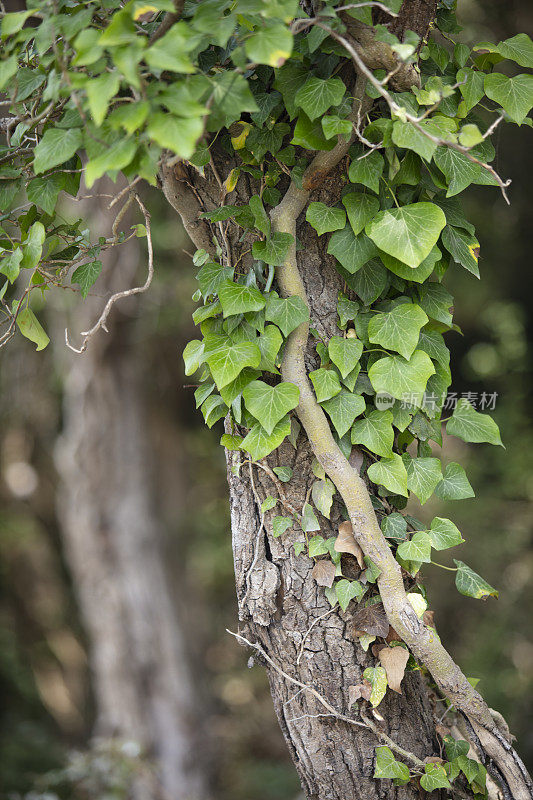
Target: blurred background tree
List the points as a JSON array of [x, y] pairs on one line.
[[49, 694]]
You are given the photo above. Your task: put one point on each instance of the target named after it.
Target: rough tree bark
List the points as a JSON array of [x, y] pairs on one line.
[[142, 681]]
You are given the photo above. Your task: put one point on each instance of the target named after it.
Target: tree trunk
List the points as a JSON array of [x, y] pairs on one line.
[[279, 602], [142, 682]]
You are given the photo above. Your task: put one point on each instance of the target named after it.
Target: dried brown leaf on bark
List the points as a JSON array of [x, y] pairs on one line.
[[393, 636], [361, 690], [394, 660], [428, 618], [371, 620], [345, 543], [324, 572], [350, 567]]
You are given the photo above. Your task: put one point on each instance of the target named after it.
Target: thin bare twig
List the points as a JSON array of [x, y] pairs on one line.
[[100, 324], [402, 113], [124, 191], [332, 711]]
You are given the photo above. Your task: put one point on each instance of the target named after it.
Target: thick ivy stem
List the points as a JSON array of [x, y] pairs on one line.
[[423, 642]]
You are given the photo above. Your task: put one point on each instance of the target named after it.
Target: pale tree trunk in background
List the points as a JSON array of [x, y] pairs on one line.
[[142, 681]]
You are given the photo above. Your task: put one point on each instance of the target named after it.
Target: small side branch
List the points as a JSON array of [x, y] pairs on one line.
[[100, 324], [331, 711]]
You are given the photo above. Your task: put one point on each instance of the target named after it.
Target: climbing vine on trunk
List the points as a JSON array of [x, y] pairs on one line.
[[242, 113]]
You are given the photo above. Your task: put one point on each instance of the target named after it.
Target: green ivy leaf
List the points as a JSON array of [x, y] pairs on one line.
[[32, 247], [390, 473], [455, 747], [238, 299], [394, 526], [211, 276], [326, 383], [444, 534], [418, 548], [86, 276], [280, 525], [259, 443], [228, 360], [271, 44], [388, 767], [408, 233], [274, 250], [287, 313], [404, 380], [454, 484], [262, 220], [345, 353], [116, 157], [423, 475], [351, 251], [361, 208], [367, 170], [309, 134], [268, 504], [322, 493], [470, 583], [343, 409], [515, 95], [325, 219], [335, 126], [100, 91], [375, 432], [369, 282], [459, 171], [406, 135], [170, 51], [346, 591], [44, 191], [317, 95], [233, 390], [436, 301], [56, 147], [30, 327], [518, 48], [377, 677], [463, 247], [269, 343], [269, 404], [10, 264], [398, 329], [435, 778], [471, 426], [179, 134]]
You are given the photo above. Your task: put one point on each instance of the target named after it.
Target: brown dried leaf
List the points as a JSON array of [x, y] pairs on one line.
[[361, 690], [350, 567], [376, 648], [371, 620], [429, 618], [433, 760], [394, 660], [392, 636], [324, 572], [345, 543]]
